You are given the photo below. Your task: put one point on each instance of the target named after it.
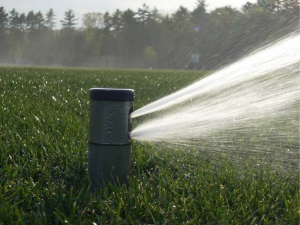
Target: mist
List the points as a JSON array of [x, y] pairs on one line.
[[145, 38]]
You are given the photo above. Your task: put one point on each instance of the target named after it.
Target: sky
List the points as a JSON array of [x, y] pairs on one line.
[[83, 6]]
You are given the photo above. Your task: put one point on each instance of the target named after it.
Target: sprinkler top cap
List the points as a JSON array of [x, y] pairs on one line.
[[112, 94]]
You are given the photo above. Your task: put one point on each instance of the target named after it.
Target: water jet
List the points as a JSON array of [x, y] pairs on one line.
[[248, 108], [110, 125]]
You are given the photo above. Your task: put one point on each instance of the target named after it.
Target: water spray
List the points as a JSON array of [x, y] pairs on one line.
[[109, 135], [250, 107]]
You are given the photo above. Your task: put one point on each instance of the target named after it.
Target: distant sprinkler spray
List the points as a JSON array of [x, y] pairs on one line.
[[109, 135]]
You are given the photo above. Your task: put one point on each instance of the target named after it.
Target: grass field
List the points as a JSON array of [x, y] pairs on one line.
[[43, 161]]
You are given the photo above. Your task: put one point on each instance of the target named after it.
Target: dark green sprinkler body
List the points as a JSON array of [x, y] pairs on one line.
[[109, 135]]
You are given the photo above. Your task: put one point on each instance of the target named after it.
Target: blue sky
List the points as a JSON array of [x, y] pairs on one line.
[[83, 6]]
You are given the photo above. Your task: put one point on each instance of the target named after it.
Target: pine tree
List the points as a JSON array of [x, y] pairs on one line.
[[50, 19], [3, 18], [31, 21], [13, 19], [3, 25], [40, 21], [69, 20]]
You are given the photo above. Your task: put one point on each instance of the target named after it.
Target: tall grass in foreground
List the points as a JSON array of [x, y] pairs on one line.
[[43, 161]]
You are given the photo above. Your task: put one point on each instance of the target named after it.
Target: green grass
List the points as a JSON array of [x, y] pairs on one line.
[[43, 161]]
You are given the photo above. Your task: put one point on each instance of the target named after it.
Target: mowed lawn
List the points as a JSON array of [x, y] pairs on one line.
[[43, 161]]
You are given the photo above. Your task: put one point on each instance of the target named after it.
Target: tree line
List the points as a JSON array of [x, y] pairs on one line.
[[146, 38]]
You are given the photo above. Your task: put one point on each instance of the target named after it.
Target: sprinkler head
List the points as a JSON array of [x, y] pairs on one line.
[[109, 135]]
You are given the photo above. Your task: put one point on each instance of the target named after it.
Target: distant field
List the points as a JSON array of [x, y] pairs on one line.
[[43, 160]]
